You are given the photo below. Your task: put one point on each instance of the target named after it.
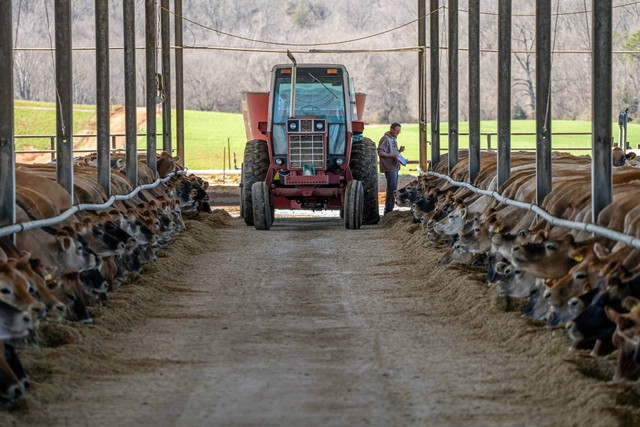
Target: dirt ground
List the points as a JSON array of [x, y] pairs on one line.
[[310, 324]]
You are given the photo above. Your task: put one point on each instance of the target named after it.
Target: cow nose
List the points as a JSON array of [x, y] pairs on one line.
[[546, 294], [515, 249], [40, 312], [60, 308], [15, 392]]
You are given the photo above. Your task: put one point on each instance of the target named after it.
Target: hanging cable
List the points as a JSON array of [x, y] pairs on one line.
[[577, 12], [294, 44], [53, 61], [15, 40], [553, 46], [586, 19]]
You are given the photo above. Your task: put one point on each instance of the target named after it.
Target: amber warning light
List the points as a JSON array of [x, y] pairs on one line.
[[332, 71]]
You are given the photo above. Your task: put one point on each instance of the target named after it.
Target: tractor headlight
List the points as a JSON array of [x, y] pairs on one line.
[[293, 126], [340, 161], [279, 161], [319, 125]]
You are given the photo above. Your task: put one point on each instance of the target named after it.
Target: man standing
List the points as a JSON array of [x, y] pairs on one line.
[[388, 152]]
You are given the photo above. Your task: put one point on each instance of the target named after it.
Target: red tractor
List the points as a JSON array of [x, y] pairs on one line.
[[305, 148]]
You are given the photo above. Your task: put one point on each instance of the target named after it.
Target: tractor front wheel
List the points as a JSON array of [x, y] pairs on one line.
[[262, 212], [364, 167], [254, 169], [353, 205]]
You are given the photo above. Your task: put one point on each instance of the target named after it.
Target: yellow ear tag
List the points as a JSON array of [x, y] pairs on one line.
[[634, 308], [578, 258], [496, 230], [48, 277]]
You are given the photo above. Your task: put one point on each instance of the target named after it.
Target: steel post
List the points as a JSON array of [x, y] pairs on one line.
[[434, 40], [151, 56], [422, 80], [601, 106], [474, 89], [102, 93], [165, 33], [64, 95], [504, 90], [130, 104], [543, 99], [453, 83], [7, 142], [179, 80]]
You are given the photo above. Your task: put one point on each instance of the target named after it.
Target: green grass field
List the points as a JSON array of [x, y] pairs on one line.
[[208, 134]]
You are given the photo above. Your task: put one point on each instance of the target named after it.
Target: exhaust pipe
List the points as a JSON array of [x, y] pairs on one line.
[[294, 75]]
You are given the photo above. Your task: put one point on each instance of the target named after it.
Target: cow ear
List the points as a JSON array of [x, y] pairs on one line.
[[65, 243], [630, 155], [631, 303], [612, 314], [586, 287], [600, 251]]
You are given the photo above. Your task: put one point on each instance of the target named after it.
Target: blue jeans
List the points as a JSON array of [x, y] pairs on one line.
[[392, 186]]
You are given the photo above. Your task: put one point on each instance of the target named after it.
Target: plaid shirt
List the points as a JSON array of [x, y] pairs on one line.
[[388, 144]]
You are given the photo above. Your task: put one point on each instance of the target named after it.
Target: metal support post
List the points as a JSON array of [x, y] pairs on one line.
[[504, 91], [151, 29], [64, 94], [179, 80], [102, 93], [434, 40], [601, 106], [474, 89], [453, 84], [7, 142], [166, 75], [130, 103], [543, 99], [422, 80]]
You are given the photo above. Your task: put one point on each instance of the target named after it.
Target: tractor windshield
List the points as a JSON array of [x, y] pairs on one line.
[[318, 94]]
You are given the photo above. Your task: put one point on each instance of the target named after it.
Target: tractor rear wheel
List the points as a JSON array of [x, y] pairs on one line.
[[254, 169], [364, 168], [353, 205], [262, 213]]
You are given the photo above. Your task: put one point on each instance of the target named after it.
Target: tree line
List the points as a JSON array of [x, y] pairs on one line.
[[214, 79]]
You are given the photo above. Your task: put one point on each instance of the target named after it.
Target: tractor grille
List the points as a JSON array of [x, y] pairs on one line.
[[306, 150]]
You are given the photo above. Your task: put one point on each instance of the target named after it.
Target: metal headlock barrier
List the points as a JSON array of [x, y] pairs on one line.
[[573, 225], [47, 222]]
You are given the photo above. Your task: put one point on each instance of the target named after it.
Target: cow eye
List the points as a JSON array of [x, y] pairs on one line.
[[522, 233], [72, 297], [581, 276], [6, 291], [550, 246]]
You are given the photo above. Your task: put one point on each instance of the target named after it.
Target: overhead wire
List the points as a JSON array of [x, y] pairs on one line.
[[53, 61], [275, 43], [577, 12], [15, 39], [548, 106]]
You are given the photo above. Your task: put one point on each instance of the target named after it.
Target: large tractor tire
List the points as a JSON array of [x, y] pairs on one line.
[[364, 167], [262, 213], [254, 169], [353, 205]]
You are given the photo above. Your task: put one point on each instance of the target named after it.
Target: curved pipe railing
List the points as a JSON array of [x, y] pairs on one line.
[[30, 225], [573, 225]]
